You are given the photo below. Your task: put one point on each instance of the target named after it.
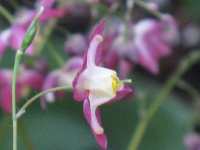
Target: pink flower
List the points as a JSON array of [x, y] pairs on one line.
[[96, 85], [192, 141], [28, 79], [144, 43], [4, 37], [24, 17], [49, 11], [61, 77], [76, 44], [153, 40], [13, 36], [125, 67], [5, 90], [46, 3]]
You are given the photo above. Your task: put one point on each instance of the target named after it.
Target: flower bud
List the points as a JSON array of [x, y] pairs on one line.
[[31, 31]]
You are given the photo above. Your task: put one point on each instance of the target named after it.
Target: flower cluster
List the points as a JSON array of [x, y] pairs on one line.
[[120, 47], [146, 42], [13, 36], [95, 58], [143, 43]]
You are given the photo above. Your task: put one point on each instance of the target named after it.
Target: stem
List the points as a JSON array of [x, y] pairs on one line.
[[142, 104], [147, 8], [195, 95], [167, 88], [6, 14], [14, 77], [189, 89], [34, 98]]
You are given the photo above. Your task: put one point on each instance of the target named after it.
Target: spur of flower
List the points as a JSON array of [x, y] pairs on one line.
[[96, 85]]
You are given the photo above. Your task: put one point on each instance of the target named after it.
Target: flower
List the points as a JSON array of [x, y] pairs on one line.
[[192, 141], [46, 3], [121, 52], [96, 85], [13, 36], [4, 36], [60, 77], [153, 40], [76, 44], [28, 79], [145, 43]]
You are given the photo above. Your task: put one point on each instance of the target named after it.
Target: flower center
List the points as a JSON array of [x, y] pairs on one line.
[[116, 83]]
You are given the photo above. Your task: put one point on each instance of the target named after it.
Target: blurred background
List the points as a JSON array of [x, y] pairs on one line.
[[58, 122]]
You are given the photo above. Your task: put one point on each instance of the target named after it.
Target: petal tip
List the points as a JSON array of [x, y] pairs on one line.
[[99, 131]]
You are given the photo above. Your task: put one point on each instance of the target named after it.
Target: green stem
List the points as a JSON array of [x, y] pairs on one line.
[[141, 97], [195, 95], [34, 98], [14, 77], [189, 89], [28, 38], [6, 14], [167, 88]]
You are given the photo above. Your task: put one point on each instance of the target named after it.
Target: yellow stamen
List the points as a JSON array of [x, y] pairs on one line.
[[116, 83]]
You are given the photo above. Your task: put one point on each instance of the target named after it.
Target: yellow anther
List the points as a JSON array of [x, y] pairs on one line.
[[116, 83]]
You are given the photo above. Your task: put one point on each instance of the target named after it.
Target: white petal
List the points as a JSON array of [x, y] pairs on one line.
[[93, 49], [98, 81]]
